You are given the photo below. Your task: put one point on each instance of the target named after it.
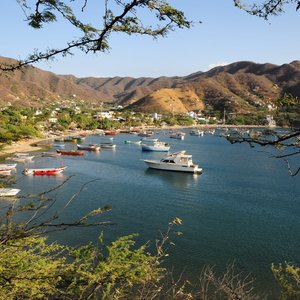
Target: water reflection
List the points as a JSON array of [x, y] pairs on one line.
[[177, 179]]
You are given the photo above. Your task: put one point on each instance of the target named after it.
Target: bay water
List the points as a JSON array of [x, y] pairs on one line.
[[244, 208]]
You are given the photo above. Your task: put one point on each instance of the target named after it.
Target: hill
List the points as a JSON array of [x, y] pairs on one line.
[[239, 87], [179, 100]]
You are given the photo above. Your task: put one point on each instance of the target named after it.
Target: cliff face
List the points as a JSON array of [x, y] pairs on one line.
[[241, 86]]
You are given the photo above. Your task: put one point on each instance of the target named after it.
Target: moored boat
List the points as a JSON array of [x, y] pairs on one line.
[[59, 146], [133, 142], [156, 146], [21, 157], [146, 133], [178, 161], [111, 132], [8, 192], [70, 152], [59, 140], [44, 171], [147, 139], [196, 132], [51, 154], [90, 147], [177, 135], [5, 169], [108, 146]]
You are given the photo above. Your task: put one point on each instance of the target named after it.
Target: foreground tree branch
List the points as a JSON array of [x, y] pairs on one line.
[[39, 224], [265, 9], [95, 39], [286, 144]]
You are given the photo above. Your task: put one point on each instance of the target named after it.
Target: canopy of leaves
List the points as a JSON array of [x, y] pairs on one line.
[[267, 8]]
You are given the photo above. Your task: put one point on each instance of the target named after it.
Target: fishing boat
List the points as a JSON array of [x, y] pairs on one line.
[[107, 138], [70, 139], [78, 138], [133, 142], [43, 145], [59, 140], [70, 152], [8, 192], [178, 161], [147, 139], [44, 171], [59, 146], [196, 132], [177, 135], [90, 147], [108, 146], [156, 146], [146, 133], [111, 132], [5, 169], [51, 154], [21, 157]]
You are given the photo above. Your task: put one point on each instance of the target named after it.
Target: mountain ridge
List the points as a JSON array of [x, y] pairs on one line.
[[239, 87]]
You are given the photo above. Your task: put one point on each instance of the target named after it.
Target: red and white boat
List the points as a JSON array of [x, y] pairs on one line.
[[44, 171], [5, 169], [146, 133]]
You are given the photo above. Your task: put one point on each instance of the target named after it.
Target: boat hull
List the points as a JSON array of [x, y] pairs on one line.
[[108, 146], [7, 168], [8, 192], [171, 167], [133, 142], [71, 152], [49, 171], [89, 147], [156, 149]]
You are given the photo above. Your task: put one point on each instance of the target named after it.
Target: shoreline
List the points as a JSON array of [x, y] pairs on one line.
[[27, 145]]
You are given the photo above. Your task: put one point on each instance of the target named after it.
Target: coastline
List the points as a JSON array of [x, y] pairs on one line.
[[21, 146], [28, 145]]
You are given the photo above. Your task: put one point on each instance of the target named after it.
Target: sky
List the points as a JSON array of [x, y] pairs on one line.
[[225, 35]]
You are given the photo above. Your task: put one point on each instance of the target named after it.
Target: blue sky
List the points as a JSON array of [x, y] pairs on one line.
[[226, 35]]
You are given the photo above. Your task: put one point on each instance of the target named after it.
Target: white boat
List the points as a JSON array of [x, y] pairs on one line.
[[133, 142], [90, 147], [108, 146], [156, 146], [5, 169], [51, 154], [44, 171], [146, 133], [178, 161], [21, 157], [196, 132], [210, 131], [177, 135], [8, 192], [146, 139]]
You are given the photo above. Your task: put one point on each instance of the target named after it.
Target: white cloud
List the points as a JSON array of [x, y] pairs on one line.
[[218, 64]]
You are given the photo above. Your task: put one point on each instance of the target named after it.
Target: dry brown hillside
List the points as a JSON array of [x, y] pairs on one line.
[[179, 100], [28, 85]]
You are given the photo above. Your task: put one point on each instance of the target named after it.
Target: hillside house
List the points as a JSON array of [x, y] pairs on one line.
[[104, 115]]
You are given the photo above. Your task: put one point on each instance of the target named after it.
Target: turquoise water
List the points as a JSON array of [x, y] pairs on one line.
[[243, 208]]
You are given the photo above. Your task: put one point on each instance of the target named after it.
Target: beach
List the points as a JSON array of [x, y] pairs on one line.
[[28, 145], [21, 146]]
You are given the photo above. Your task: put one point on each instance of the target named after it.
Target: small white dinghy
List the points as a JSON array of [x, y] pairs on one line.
[[4, 192]]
